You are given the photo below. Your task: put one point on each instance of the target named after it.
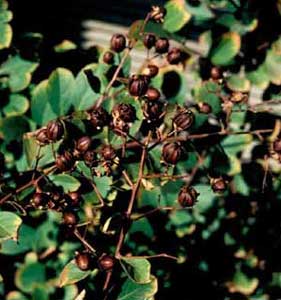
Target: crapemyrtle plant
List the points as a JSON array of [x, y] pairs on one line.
[[131, 186]]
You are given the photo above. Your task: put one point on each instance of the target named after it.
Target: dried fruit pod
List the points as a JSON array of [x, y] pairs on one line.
[[204, 108], [40, 199], [216, 73], [187, 196], [90, 158], [108, 153], [157, 14], [125, 112], [55, 130], [42, 137], [106, 262], [238, 97], [99, 118], [277, 145], [152, 94], [138, 85], [183, 119], [84, 261], [108, 58], [151, 71], [70, 218], [174, 56], [118, 42], [75, 198], [162, 45], [149, 40], [219, 185], [153, 111], [172, 153], [83, 144], [65, 161]]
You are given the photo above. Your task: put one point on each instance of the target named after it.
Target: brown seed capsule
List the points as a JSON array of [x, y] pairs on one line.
[[187, 196], [55, 130], [151, 71], [157, 14], [277, 145], [183, 119], [204, 108], [75, 198], [149, 40], [90, 158], [152, 94], [99, 118], [106, 262], [125, 112], [83, 144], [172, 153], [216, 73], [138, 85], [108, 153], [174, 56], [65, 162], [40, 199], [162, 45], [108, 58], [42, 137], [83, 261], [118, 42], [219, 185], [153, 111], [70, 218]]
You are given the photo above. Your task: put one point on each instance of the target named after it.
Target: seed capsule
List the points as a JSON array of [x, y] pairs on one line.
[[125, 112], [70, 218], [108, 153], [40, 199], [152, 94], [42, 137], [216, 73], [172, 153], [153, 111], [183, 119], [118, 42], [219, 185], [277, 146], [83, 144], [151, 71], [157, 14], [204, 108], [65, 162], [162, 45], [149, 40], [106, 263], [83, 261], [75, 198], [175, 56], [99, 118], [90, 158], [138, 85], [108, 58], [187, 196], [238, 97], [55, 130]]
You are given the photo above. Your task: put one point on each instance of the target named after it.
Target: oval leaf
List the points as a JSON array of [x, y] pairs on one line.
[[9, 225]]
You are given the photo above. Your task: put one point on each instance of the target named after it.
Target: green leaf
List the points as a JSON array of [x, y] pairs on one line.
[[135, 291], [72, 274], [9, 226], [238, 83], [67, 182], [103, 184], [13, 128], [138, 269], [177, 15], [243, 284], [205, 199], [15, 295], [65, 46], [29, 276], [6, 32], [227, 48], [18, 105], [40, 293]]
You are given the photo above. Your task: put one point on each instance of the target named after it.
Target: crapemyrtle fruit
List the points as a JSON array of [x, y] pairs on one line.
[[157, 14], [75, 198], [90, 158], [84, 261], [42, 137], [172, 153], [118, 42], [216, 73], [162, 45], [65, 161], [108, 153], [187, 196], [125, 112], [277, 145], [55, 130], [152, 94], [153, 111], [183, 119], [149, 40], [151, 71], [40, 199], [204, 108], [218, 185], [83, 144], [174, 56], [138, 85], [70, 218], [108, 58], [99, 118], [106, 262]]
